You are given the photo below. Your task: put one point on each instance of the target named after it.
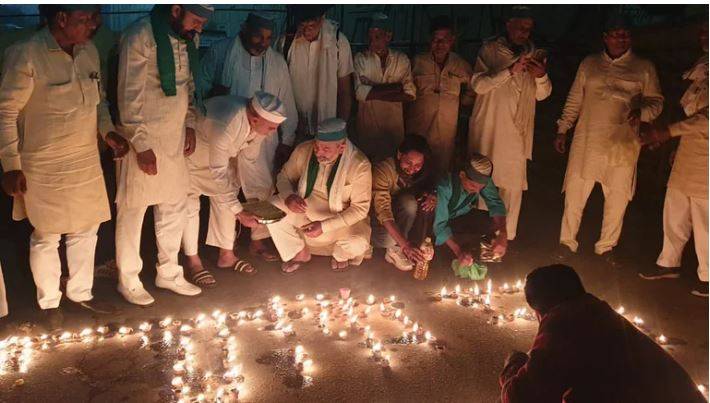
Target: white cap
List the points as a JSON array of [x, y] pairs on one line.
[[268, 107], [333, 129]]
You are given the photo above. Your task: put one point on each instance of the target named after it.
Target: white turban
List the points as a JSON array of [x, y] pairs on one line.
[[268, 107]]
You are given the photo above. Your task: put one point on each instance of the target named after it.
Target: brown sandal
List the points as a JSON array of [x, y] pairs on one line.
[[203, 278], [244, 267]]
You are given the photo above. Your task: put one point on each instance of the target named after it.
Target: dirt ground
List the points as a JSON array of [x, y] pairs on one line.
[[471, 352]]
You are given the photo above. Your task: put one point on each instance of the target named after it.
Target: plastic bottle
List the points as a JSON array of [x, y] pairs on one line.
[[421, 270]]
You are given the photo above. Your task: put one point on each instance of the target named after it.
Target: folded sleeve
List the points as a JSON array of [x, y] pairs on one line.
[[132, 75], [652, 101], [573, 105], [220, 168], [362, 83], [698, 123], [18, 81], [483, 79], [345, 57]]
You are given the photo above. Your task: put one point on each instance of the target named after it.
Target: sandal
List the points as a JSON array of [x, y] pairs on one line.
[[265, 254], [290, 267], [203, 278], [244, 267]]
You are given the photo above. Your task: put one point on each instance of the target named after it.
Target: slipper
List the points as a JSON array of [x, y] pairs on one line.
[[339, 267], [264, 254], [203, 278], [244, 267], [290, 267]]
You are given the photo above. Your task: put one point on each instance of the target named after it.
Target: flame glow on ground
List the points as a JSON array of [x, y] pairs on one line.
[[204, 351]]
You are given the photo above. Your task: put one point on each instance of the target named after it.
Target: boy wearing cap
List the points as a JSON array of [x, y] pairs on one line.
[[320, 64], [325, 189], [242, 66], [155, 93], [509, 77], [51, 107], [612, 93], [442, 81], [458, 194], [233, 127], [383, 82]]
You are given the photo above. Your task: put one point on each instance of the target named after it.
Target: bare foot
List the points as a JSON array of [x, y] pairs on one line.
[[227, 259], [302, 256], [261, 248], [194, 264]]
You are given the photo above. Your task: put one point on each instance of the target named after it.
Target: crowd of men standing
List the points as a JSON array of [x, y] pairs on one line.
[[269, 123]]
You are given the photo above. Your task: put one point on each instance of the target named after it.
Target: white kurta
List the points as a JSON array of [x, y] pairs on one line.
[[380, 124], [228, 64], [605, 148], [152, 121], [492, 128], [50, 108], [223, 136], [343, 212], [315, 68], [685, 209], [435, 112]]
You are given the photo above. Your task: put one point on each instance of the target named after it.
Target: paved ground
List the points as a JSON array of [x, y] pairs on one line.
[[473, 350]]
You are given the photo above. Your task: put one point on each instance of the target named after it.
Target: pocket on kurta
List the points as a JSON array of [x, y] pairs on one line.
[[63, 97], [426, 83], [90, 89]]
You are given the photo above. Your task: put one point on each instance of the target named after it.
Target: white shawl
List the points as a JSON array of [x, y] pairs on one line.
[[327, 74], [524, 118], [695, 97], [335, 198]]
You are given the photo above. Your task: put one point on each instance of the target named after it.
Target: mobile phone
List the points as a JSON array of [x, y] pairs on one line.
[[540, 55]]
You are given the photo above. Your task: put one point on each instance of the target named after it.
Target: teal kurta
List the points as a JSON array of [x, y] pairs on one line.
[[454, 201]]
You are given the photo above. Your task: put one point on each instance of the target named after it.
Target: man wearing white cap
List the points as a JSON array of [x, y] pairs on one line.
[[325, 189], [383, 82], [509, 77], [52, 107], [457, 194], [234, 127], [242, 66], [155, 96]]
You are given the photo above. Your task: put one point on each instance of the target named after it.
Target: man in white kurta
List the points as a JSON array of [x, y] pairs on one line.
[[51, 108], [442, 80], [242, 66], [233, 127], [321, 65], [383, 82], [325, 190], [612, 92], [508, 81], [685, 209], [154, 173]]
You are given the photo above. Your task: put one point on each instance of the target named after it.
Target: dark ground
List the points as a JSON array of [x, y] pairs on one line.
[[466, 369]]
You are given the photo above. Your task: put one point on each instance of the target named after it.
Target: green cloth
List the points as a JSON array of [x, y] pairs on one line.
[[313, 167], [475, 271], [453, 201], [162, 31]]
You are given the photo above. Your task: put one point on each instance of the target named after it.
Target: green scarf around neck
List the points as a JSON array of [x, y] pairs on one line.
[[313, 167], [162, 31]]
